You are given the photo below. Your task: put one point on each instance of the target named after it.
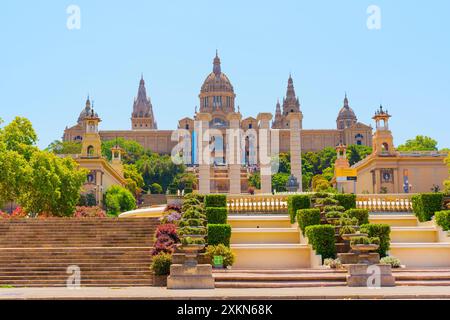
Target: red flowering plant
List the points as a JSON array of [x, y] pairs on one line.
[[18, 213], [89, 212], [166, 239]]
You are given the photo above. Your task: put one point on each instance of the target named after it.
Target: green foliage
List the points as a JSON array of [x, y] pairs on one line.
[[443, 219], [365, 240], [215, 200], [327, 201], [322, 239], [220, 250], [155, 188], [426, 204], [161, 264], [346, 230], [333, 208], [381, 231], [320, 183], [392, 261], [333, 214], [361, 214], [219, 234], [64, 147], [254, 180], [356, 153], [118, 200], [279, 181], [419, 143], [132, 150], [197, 196], [307, 217], [216, 215], [348, 201], [447, 182], [134, 180], [19, 136], [297, 202], [53, 186], [87, 200], [14, 175]]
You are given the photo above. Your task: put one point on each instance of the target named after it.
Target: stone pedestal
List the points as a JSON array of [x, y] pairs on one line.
[[353, 258], [265, 152], [190, 277], [363, 275]]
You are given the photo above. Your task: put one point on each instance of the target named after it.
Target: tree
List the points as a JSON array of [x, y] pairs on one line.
[[133, 150], [419, 143], [134, 179], [254, 180], [19, 136], [119, 199], [64, 147], [279, 181], [54, 185], [14, 175], [356, 153]]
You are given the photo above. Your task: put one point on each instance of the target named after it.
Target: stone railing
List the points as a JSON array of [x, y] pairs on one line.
[[278, 203], [385, 202]]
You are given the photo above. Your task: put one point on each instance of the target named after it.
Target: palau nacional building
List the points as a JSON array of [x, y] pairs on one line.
[[384, 169]]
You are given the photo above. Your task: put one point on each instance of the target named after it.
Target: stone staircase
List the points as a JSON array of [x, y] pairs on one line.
[[109, 252]]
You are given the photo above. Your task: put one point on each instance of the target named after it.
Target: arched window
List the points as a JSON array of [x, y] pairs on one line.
[[187, 126], [90, 151], [385, 147], [359, 139]]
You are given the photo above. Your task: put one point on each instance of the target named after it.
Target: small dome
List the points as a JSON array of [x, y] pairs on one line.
[[346, 113], [217, 82], [87, 112]]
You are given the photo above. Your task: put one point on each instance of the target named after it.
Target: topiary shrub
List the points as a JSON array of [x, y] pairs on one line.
[[156, 188], [346, 230], [382, 231], [297, 202], [322, 239], [220, 250], [216, 215], [361, 214], [333, 208], [348, 201], [219, 234], [215, 200], [161, 264], [392, 261], [307, 217], [443, 219], [327, 201], [425, 205], [197, 196]]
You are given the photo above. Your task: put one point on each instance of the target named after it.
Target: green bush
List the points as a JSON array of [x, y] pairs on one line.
[[161, 264], [361, 214], [425, 205], [307, 217], [216, 215], [348, 201], [297, 202], [156, 188], [346, 230], [321, 195], [382, 231], [215, 200], [118, 200], [321, 237], [333, 215], [443, 219], [333, 208], [220, 250], [327, 201], [219, 234], [393, 261], [197, 196]]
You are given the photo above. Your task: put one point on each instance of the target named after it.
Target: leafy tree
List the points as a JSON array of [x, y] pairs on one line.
[[19, 136], [119, 199], [64, 147], [419, 143], [54, 185], [184, 180], [356, 153], [279, 181], [155, 188], [254, 180], [134, 179], [14, 175], [133, 150]]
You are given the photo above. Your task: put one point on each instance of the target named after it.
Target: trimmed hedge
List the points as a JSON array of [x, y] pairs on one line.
[[308, 217], [361, 214], [216, 215], [297, 202], [219, 234], [425, 205], [443, 219], [348, 201], [381, 231], [322, 239], [215, 200]]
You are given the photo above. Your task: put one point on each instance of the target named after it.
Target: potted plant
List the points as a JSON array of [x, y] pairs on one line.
[[220, 250], [161, 268], [364, 244], [192, 230]]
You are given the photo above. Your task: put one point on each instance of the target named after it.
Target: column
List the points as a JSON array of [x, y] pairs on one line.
[[264, 152], [295, 125], [203, 153], [234, 152]]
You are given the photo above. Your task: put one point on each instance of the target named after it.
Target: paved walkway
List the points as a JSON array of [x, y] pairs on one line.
[[154, 293]]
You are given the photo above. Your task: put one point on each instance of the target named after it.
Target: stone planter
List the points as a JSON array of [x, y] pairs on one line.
[[364, 247], [350, 236], [159, 281]]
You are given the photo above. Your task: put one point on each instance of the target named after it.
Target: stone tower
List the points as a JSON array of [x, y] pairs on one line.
[[142, 117], [383, 141], [91, 146], [291, 104]]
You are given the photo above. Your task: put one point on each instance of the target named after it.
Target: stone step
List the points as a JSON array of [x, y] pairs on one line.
[[414, 234], [286, 284], [394, 220], [431, 283], [265, 235], [259, 221]]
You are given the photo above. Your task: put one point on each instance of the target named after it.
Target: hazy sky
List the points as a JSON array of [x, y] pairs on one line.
[[46, 69]]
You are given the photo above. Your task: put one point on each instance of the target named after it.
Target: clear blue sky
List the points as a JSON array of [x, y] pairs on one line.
[[47, 70]]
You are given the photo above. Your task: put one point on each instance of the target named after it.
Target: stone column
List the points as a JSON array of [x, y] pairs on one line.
[[264, 151], [234, 152], [295, 125], [203, 153]]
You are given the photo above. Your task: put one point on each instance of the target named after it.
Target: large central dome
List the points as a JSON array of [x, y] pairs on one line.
[[217, 93]]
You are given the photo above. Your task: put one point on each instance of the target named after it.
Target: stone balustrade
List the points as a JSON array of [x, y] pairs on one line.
[[277, 203]]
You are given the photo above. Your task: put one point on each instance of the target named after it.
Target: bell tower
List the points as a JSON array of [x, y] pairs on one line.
[[383, 141], [116, 159], [341, 160], [91, 146]]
